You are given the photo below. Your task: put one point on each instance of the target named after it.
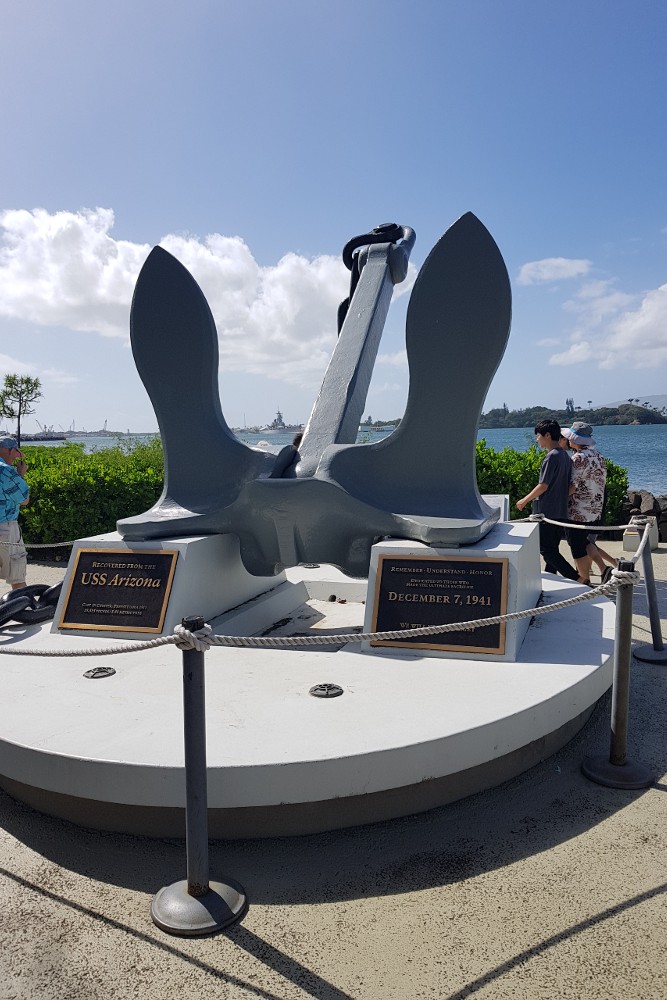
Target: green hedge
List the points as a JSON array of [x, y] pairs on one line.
[[73, 495], [516, 472]]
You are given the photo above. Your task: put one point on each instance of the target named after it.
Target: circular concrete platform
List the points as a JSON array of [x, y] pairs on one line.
[[408, 733]]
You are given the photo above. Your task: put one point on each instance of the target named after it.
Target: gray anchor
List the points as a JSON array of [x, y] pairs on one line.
[[333, 499]]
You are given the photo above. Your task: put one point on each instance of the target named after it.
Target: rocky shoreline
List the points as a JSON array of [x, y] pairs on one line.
[[643, 502]]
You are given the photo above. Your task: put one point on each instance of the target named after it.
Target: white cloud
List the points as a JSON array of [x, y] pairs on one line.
[[278, 321], [552, 269], [378, 390], [55, 376], [47, 376], [581, 351], [66, 269], [405, 286], [597, 301], [594, 289], [618, 330], [10, 366], [639, 337], [397, 360]]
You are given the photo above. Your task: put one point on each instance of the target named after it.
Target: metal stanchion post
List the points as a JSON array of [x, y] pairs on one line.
[[196, 905], [616, 771], [655, 653]]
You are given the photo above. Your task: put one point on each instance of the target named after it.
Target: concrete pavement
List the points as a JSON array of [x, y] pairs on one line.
[[546, 887]]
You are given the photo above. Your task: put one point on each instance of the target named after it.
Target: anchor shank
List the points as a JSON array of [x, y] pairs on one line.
[[339, 407]]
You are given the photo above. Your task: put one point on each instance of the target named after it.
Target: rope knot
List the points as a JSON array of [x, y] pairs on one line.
[[199, 640], [536, 517], [626, 576]]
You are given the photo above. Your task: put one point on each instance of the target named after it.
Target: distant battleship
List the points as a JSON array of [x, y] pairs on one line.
[[279, 425], [276, 426]]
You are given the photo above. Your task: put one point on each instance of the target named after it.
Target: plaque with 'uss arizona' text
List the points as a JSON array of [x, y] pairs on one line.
[[414, 590], [112, 590]]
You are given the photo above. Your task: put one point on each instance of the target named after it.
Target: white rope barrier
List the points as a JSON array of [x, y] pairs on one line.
[[203, 639], [41, 545], [636, 521], [46, 545]]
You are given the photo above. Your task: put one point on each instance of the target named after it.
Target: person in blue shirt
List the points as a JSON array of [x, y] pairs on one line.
[[550, 498], [14, 494]]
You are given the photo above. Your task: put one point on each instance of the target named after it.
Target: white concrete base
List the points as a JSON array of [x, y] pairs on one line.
[[517, 543], [408, 733], [209, 578], [500, 500], [633, 536]]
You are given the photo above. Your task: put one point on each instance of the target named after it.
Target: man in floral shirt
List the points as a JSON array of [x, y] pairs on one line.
[[586, 500]]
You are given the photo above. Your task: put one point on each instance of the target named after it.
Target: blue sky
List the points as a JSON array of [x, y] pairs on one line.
[[253, 138]]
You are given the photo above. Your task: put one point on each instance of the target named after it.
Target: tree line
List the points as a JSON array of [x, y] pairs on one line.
[[632, 412]]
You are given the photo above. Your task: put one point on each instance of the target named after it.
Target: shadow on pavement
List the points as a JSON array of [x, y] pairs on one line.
[[274, 959], [543, 946], [545, 806]]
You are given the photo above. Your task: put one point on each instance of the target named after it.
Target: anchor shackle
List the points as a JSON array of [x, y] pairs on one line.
[[388, 232]]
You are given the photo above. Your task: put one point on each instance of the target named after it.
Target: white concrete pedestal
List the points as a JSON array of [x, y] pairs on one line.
[[517, 543], [209, 579], [632, 536], [408, 733]]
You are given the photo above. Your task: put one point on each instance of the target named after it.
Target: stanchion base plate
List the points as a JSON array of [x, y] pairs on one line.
[[647, 654], [175, 911], [628, 775]]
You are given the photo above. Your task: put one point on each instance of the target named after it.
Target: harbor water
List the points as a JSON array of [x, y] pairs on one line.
[[641, 449]]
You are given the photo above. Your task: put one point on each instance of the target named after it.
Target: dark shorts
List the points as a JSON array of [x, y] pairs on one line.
[[578, 539]]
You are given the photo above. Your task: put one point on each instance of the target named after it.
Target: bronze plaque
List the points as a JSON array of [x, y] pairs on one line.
[[414, 590], [120, 591]]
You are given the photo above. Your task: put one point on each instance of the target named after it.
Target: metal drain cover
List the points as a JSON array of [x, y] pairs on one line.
[[326, 691], [97, 672]]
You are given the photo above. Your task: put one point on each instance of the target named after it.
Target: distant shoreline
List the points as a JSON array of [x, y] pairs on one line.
[[529, 426]]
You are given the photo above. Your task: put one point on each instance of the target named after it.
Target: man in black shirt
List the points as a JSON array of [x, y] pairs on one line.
[[549, 497]]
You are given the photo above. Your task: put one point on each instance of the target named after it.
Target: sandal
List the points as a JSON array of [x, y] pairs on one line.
[[606, 574]]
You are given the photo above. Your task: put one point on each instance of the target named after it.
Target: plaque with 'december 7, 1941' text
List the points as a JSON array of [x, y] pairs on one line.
[[120, 591], [413, 591]]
